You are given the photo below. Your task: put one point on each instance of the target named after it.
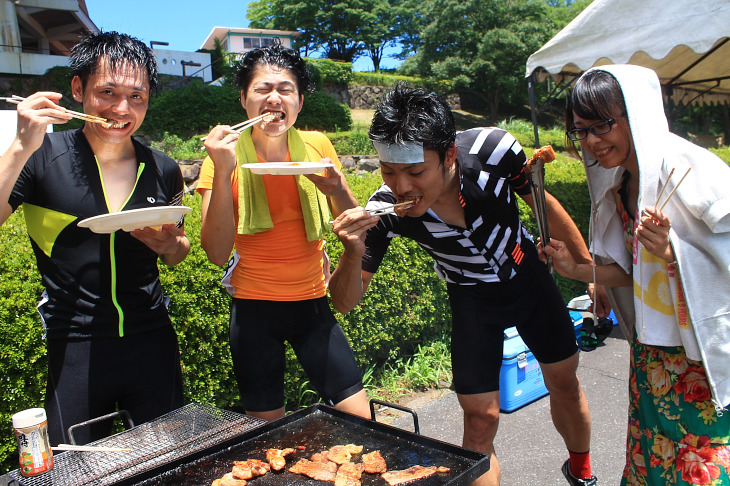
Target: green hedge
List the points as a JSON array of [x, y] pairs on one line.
[[195, 109], [406, 306], [327, 71]]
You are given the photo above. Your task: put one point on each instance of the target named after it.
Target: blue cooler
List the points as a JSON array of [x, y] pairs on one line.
[[520, 378]]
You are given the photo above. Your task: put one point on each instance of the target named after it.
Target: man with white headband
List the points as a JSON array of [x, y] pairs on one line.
[[464, 213]]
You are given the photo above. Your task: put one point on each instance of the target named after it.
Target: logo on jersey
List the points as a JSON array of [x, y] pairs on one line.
[[151, 199]]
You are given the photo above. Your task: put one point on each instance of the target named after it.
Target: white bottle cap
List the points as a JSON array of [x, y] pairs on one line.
[[28, 418]]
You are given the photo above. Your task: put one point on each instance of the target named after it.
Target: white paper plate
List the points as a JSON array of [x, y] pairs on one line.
[[135, 219], [287, 168]]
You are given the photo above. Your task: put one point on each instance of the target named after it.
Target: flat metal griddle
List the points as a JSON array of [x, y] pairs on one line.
[[169, 440], [318, 428]]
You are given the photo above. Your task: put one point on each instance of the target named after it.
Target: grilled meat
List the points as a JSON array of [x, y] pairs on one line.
[[229, 480], [320, 471], [411, 474], [374, 463], [349, 474], [249, 469], [341, 454], [546, 154], [276, 457]]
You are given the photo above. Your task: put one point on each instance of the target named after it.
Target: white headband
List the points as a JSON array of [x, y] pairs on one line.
[[406, 153]]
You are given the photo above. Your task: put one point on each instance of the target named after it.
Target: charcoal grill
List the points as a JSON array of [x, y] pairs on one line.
[[167, 440]]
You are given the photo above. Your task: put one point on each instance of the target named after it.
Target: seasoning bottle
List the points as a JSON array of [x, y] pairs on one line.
[[31, 431]]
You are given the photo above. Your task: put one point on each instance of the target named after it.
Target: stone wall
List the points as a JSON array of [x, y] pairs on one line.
[[366, 97]]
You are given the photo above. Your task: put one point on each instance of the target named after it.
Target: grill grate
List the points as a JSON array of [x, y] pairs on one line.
[[175, 435]]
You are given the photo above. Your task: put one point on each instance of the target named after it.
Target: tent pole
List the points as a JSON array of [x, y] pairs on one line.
[[532, 78]]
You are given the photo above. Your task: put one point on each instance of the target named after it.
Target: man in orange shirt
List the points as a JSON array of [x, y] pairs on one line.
[[276, 223]]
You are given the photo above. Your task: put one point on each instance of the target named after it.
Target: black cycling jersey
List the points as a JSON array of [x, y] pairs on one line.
[[492, 246], [97, 285]]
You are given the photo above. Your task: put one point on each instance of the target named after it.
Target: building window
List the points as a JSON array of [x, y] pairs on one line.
[[251, 42], [255, 42]]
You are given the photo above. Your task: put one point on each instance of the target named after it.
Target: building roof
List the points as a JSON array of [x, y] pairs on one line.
[[222, 32], [61, 22]]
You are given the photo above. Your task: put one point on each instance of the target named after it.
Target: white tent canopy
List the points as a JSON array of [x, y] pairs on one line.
[[687, 43]]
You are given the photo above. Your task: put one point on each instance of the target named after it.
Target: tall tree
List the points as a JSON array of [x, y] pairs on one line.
[[482, 45], [337, 28]]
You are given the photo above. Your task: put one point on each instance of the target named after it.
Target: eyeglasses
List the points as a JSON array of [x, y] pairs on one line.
[[598, 128]]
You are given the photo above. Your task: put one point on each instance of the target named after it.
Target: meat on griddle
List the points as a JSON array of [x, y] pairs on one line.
[[249, 469], [320, 471], [276, 457], [349, 474], [374, 463], [411, 474], [229, 480]]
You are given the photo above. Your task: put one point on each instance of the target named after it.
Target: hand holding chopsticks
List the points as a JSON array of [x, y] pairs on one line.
[[387, 209], [266, 117], [75, 114]]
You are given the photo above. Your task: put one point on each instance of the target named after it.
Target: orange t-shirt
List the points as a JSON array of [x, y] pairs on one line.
[[278, 264]]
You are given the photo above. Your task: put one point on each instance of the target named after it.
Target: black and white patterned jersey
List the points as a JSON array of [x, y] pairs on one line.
[[492, 246]]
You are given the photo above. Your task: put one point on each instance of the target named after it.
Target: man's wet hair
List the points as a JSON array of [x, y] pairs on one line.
[[117, 50], [414, 115], [278, 57]]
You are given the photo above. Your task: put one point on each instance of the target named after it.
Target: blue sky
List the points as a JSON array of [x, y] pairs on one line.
[[183, 23]]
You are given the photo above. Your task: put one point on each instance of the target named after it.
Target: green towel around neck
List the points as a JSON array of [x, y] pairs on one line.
[[253, 207]]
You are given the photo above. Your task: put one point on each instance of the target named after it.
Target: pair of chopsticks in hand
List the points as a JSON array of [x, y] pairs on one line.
[[387, 209], [659, 197], [75, 114], [266, 117], [669, 196]]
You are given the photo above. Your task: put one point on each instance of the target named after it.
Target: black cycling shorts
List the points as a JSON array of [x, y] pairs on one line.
[[531, 301], [89, 378], [259, 331]]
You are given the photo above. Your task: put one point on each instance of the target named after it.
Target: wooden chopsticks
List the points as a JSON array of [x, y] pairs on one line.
[[81, 116], [249, 123], [72, 447], [387, 209], [390, 208], [672, 192]]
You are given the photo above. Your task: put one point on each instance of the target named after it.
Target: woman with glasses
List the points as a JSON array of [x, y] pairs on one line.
[[660, 237]]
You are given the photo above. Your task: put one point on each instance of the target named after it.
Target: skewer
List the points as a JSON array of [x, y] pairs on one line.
[[14, 99], [675, 188], [248, 123], [72, 447]]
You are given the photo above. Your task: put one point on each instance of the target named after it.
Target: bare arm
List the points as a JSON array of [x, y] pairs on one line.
[[563, 228], [334, 185], [611, 275], [34, 115], [218, 225], [349, 282]]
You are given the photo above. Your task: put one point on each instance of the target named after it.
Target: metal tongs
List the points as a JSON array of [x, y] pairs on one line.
[[536, 175]]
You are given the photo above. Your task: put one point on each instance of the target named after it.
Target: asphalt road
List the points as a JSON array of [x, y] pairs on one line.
[[529, 449]]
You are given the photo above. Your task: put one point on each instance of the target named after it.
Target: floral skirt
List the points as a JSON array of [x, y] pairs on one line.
[[675, 436]]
